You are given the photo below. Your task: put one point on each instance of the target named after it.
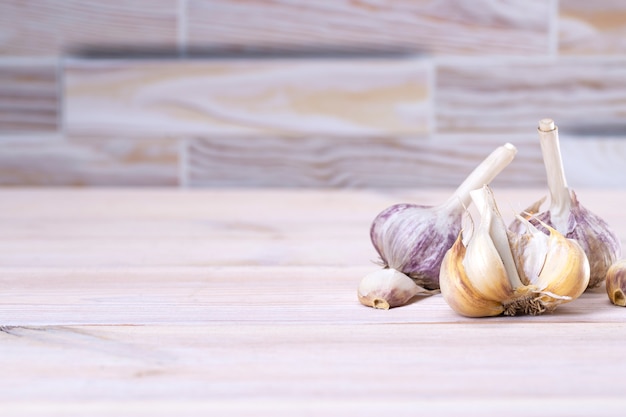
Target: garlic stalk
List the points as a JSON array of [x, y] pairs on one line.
[[601, 245], [501, 273], [616, 283], [413, 239]]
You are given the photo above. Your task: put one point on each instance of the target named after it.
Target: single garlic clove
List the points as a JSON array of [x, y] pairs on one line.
[[414, 238], [616, 283], [387, 288], [457, 289]]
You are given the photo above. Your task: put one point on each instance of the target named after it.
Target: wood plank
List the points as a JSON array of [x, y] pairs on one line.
[[220, 367], [53, 27], [350, 161], [201, 228], [357, 96], [51, 160], [368, 407], [510, 96], [308, 294], [592, 28], [442, 27], [276, 338], [29, 96]]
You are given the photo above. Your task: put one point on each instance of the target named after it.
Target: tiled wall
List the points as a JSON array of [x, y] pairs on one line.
[[361, 93]]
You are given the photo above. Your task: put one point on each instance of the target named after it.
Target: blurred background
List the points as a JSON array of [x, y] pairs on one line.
[[295, 93]]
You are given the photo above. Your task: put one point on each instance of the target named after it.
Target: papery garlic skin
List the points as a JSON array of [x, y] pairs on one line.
[[387, 288], [554, 264], [616, 283], [413, 239], [501, 273]]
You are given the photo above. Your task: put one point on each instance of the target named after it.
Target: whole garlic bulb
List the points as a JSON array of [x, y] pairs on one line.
[[500, 273], [568, 216], [413, 239]]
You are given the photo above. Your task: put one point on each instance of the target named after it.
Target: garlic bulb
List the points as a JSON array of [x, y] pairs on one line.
[[413, 239], [568, 216], [616, 283], [500, 273], [388, 288]]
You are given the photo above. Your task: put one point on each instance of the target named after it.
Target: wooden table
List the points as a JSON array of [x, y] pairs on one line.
[[243, 302]]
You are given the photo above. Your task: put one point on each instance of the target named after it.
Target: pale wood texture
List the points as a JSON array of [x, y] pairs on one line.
[[584, 96], [592, 28], [439, 27], [53, 27], [242, 302], [331, 161], [48, 160], [367, 93], [29, 97], [248, 96]]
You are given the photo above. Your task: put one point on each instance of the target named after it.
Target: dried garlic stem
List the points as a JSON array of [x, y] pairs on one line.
[[560, 204], [483, 174]]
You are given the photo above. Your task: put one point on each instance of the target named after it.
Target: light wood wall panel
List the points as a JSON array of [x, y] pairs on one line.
[[29, 97], [52, 27], [359, 96], [441, 27], [592, 27], [585, 96], [48, 160], [324, 161], [594, 161]]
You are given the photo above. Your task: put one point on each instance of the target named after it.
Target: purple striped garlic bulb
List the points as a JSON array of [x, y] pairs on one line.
[[413, 239], [565, 214]]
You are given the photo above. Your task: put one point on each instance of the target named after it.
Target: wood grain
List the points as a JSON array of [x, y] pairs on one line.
[[29, 96], [597, 28], [49, 160], [233, 295], [582, 95], [248, 96], [53, 27], [160, 338], [348, 161], [439, 27], [107, 228]]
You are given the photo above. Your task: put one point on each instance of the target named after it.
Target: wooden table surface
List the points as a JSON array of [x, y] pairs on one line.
[[155, 302]]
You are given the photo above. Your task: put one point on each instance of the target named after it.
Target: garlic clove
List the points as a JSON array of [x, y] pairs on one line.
[[616, 283], [387, 288], [489, 260], [413, 239], [458, 290]]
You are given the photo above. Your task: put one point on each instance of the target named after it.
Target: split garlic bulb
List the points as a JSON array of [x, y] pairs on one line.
[[413, 239], [500, 273], [568, 216], [616, 283]]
